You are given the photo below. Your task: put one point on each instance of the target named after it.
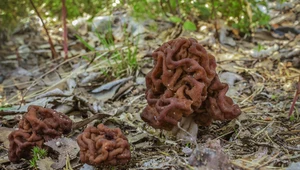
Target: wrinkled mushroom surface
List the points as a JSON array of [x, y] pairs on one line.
[[184, 83], [37, 126], [103, 146]]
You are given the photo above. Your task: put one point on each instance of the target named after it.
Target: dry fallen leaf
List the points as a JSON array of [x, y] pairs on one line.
[[64, 146], [39, 102], [45, 164], [4, 132], [210, 156], [87, 167], [107, 91]]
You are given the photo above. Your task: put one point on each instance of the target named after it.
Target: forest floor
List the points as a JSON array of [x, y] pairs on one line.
[[262, 71]]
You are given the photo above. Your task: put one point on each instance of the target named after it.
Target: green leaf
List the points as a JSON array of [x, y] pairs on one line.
[[85, 43], [175, 19], [190, 26], [274, 97], [86, 58], [292, 118], [3, 108], [173, 3]]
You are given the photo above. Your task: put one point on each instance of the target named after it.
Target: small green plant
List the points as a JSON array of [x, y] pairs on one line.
[[274, 97], [259, 47], [37, 154], [188, 145], [281, 1], [118, 61], [4, 107], [292, 118], [107, 39], [123, 62]]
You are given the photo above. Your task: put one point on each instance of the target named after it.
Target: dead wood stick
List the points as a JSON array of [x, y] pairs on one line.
[[295, 98], [84, 122], [54, 54], [65, 33]]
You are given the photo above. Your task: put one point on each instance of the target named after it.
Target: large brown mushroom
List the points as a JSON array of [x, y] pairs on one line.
[[103, 146], [184, 83], [37, 126]]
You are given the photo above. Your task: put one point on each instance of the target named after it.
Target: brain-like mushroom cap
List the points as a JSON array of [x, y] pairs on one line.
[[37, 126], [103, 146], [184, 82]]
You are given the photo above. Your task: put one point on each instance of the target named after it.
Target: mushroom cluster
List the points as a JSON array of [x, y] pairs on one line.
[[103, 146], [37, 126], [184, 83]]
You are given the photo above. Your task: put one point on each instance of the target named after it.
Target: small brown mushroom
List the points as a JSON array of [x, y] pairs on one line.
[[37, 126], [184, 83], [103, 146]]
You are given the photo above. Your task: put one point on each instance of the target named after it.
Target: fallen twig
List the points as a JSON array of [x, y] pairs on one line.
[[8, 112], [269, 161], [295, 98], [86, 121], [65, 33], [54, 54]]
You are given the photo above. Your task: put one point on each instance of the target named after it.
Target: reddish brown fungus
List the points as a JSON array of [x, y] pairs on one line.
[[37, 126], [103, 146], [184, 82]]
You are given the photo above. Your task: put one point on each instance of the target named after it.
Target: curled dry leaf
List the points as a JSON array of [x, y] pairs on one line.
[[107, 91]]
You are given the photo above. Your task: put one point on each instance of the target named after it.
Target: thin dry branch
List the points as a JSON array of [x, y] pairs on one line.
[[65, 33], [295, 98], [54, 54]]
